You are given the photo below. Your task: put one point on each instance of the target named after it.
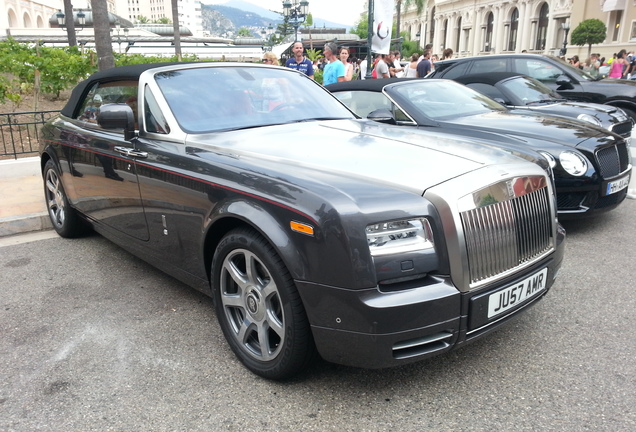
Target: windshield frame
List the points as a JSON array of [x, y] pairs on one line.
[[233, 97]]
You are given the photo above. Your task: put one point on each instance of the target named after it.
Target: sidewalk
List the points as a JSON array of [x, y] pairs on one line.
[[23, 208]]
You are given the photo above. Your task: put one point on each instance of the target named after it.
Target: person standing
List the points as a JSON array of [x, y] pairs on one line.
[[270, 58], [344, 57], [299, 61], [424, 66], [382, 68], [411, 69], [619, 65], [398, 69], [334, 71]]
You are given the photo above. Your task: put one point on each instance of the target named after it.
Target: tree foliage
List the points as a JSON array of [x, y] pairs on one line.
[[588, 32], [362, 27], [244, 32], [58, 68], [313, 54]]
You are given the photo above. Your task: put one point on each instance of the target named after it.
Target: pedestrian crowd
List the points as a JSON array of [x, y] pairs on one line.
[[338, 65], [622, 65]]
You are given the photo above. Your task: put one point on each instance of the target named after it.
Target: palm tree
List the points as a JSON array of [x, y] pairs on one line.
[[420, 4]]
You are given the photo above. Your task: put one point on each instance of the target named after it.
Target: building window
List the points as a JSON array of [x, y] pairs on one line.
[[444, 35], [431, 32], [542, 29], [490, 24], [458, 36], [632, 35], [514, 27], [615, 19]]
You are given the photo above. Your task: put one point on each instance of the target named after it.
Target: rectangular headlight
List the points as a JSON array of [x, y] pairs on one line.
[[399, 236]]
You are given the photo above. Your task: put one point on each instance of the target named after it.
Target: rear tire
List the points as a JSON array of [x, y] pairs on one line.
[[258, 307], [63, 217]]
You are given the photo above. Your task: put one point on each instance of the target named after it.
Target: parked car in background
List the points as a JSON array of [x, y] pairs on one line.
[[591, 165], [313, 231], [523, 94], [570, 82]]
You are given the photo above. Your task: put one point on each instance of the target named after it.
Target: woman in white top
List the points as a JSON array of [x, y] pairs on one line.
[[344, 55], [411, 70]]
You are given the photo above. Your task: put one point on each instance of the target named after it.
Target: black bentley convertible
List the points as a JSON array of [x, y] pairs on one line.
[[314, 231], [592, 166], [524, 94]]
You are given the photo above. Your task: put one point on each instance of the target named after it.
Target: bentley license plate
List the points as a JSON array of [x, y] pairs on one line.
[[509, 297], [617, 185]]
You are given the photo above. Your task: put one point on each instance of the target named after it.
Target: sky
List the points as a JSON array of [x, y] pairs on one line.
[[345, 12]]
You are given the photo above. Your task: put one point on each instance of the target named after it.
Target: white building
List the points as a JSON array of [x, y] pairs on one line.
[[17, 15], [481, 27]]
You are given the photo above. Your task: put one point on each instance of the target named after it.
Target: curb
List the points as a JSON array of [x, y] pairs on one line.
[[23, 224], [23, 167]]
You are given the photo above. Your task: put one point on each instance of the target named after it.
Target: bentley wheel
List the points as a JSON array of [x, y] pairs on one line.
[[63, 218], [258, 307]]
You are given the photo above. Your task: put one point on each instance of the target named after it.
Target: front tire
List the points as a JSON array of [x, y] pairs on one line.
[[258, 307], [63, 217]]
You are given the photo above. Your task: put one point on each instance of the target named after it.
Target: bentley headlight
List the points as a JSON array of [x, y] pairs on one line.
[[399, 236], [573, 163], [589, 119]]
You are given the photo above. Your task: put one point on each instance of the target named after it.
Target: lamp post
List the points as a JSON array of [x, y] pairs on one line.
[[70, 26], [566, 28], [61, 19], [418, 35], [117, 33], [268, 33], [295, 12]]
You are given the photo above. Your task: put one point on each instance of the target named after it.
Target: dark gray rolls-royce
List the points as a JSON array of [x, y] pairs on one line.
[[315, 232]]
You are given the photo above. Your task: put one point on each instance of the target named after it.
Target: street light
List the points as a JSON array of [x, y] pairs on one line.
[[117, 32], [566, 28], [268, 34], [418, 35], [61, 19], [295, 12]]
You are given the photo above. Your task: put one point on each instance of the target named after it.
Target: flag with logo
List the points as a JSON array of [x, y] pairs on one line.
[[382, 26]]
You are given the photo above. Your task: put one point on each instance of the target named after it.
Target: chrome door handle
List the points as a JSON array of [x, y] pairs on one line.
[[130, 152]]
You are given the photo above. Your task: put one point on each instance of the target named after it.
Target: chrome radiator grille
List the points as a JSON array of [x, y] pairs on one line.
[[506, 235]]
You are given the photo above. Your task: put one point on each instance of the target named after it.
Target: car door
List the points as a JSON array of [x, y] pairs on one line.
[[104, 176]]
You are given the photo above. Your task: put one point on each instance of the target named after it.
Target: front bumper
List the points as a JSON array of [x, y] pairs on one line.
[[588, 200], [375, 329]]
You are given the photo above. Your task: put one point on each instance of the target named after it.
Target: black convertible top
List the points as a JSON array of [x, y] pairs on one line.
[[491, 78], [122, 73]]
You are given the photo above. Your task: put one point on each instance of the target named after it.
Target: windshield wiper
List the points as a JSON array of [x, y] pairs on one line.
[[321, 118], [540, 101]]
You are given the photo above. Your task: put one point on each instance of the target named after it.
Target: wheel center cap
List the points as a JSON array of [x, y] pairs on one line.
[[252, 301]]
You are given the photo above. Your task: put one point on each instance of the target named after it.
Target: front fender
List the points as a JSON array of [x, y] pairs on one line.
[[232, 214]]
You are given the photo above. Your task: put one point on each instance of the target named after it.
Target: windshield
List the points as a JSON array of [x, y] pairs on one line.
[[210, 99], [527, 91], [439, 99]]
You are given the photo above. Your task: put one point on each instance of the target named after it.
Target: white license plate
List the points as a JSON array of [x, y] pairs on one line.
[[509, 297], [617, 185]]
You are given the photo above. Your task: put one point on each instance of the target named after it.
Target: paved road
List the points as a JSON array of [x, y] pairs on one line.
[[93, 339]]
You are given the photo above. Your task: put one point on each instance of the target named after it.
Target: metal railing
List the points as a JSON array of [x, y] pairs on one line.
[[20, 132]]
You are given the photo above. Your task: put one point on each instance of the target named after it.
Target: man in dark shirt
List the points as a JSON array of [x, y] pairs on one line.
[[424, 66], [299, 62]]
